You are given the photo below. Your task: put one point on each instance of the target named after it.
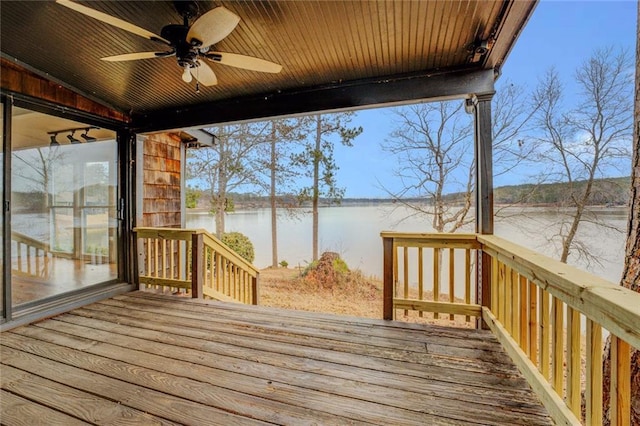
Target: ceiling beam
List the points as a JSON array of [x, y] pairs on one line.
[[384, 91]]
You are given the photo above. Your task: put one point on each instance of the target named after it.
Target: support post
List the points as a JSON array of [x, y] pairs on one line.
[[484, 192], [387, 279], [197, 265], [255, 286]]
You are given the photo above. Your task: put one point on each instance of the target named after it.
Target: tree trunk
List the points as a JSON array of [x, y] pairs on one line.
[[272, 199], [219, 207], [316, 185], [631, 272], [220, 199]]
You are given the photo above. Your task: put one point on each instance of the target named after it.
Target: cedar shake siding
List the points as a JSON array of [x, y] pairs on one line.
[[161, 181]]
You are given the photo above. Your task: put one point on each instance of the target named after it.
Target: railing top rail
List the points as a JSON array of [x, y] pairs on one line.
[[427, 236], [614, 307], [166, 233], [442, 240], [25, 239], [221, 248]]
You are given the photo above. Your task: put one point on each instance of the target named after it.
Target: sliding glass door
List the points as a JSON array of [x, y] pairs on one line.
[[3, 280], [63, 207]]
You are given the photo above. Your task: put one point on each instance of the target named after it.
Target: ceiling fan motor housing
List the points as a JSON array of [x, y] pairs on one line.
[[186, 53]]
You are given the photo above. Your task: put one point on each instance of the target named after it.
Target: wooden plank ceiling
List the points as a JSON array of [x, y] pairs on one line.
[[317, 43]]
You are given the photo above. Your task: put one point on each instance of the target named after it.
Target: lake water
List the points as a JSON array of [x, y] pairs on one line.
[[354, 232]]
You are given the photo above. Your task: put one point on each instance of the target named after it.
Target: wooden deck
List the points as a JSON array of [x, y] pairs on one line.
[[153, 359]]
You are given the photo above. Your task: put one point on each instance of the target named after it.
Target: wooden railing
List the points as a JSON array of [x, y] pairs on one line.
[[419, 267], [195, 260], [31, 258], [550, 318]]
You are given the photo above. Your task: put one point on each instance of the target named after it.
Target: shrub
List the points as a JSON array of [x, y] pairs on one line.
[[329, 271], [239, 243], [191, 198], [284, 263]]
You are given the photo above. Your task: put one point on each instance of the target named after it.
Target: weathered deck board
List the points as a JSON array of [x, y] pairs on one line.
[[154, 359]]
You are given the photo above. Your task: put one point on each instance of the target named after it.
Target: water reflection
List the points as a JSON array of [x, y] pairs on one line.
[[354, 232]]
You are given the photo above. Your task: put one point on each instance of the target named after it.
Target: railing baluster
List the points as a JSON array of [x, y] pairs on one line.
[[620, 410], [29, 260], [557, 354], [164, 258], [544, 333], [524, 311], [467, 279], [573, 360], [405, 274], [436, 278], [172, 260], [38, 251], [502, 288], [451, 278], [420, 277], [508, 296], [515, 311], [533, 322], [495, 276], [19, 256], [389, 278], [594, 374]]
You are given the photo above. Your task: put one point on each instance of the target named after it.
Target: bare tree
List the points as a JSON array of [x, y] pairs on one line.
[[228, 165], [285, 135], [631, 272], [581, 143], [511, 117], [431, 143], [34, 167], [317, 158]]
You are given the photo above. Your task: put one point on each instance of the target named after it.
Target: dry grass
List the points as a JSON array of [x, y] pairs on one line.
[[357, 295], [285, 288]]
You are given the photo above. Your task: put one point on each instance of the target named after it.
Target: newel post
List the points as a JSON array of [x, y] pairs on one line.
[[484, 190], [255, 289], [387, 278], [197, 265]]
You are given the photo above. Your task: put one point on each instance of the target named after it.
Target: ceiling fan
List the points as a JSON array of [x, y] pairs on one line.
[[188, 43]]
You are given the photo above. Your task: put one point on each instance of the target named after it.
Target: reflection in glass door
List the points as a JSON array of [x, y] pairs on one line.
[[3, 282], [63, 211]]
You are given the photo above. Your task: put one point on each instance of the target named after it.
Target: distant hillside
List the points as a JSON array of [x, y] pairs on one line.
[[609, 191]]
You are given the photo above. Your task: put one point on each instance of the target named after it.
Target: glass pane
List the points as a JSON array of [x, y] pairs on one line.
[[2, 254], [63, 207]]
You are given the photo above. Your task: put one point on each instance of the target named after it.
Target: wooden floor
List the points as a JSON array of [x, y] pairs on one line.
[[152, 359], [62, 276]]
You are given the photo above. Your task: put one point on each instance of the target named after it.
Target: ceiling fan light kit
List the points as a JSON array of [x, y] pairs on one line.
[[188, 43]]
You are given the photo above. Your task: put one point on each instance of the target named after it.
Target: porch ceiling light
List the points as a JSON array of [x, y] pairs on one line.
[[54, 142], [86, 136], [72, 139]]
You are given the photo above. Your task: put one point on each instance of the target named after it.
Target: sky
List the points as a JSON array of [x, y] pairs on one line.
[[560, 34]]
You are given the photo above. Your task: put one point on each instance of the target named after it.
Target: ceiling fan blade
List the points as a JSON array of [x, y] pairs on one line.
[[213, 26], [204, 74], [244, 62], [111, 20], [137, 55]]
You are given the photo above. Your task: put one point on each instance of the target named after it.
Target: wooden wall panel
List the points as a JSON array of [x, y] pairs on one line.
[[17, 79]]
